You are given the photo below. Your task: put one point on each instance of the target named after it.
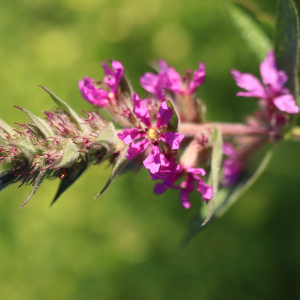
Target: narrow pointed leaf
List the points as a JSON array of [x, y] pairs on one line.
[[66, 183], [249, 28], [243, 186], [70, 155], [6, 128], [73, 115], [38, 181], [216, 160], [174, 122], [286, 41], [120, 164], [43, 127]]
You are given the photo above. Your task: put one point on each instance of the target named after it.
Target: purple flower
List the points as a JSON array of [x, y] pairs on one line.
[[103, 97], [172, 172], [188, 185], [149, 134], [169, 78], [273, 89], [232, 167]]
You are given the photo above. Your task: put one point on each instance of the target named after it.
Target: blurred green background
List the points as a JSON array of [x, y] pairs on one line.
[[125, 245]]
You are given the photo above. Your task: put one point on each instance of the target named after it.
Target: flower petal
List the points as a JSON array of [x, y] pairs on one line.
[[286, 103], [184, 198], [250, 83], [140, 110], [152, 162], [205, 190], [269, 73], [198, 78], [128, 135], [164, 114], [160, 188], [135, 149], [172, 139], [173, 81], [196, 171], [118, 71]]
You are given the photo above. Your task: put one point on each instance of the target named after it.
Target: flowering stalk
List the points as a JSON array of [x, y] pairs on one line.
[[165, 133]]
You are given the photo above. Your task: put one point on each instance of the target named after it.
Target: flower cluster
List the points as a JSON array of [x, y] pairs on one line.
[[165, 132]]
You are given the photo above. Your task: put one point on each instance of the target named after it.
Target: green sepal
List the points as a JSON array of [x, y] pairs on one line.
[[119, 165], [44, 129], [75, 173], [174, 121], [216, 160], [27, 149], [249, 28], [107, 138], [72, 114], [70, 155]]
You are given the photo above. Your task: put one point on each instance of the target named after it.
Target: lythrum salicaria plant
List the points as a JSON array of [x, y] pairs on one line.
[[165, 130]]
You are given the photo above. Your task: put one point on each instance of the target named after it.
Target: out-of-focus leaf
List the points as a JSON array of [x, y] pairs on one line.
[[244, 184], [73, 115], [174, 121], [70, 155], [72, 177], [216, 160], [119, 165], [286, 42], [42, 126], [250, 30], [126, 86]]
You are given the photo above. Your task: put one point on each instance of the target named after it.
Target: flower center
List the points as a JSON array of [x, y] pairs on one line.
[[151, 133], [111, 95]]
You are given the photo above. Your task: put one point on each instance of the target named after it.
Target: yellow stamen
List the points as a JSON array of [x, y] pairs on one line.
[[151, 133], [111, 95]]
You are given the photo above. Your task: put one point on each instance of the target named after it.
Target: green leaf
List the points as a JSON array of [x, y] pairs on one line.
[[72, 114], [244, 184], [5, 167], [6, 128], [38, 181], [286, 42], [108, 137], [174, 121], [43, 127], [76, 172], [250, 30], [70, 155], [216, 160], [119, 165]]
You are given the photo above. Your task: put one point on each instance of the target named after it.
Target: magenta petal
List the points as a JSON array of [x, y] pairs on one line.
[[286, 103], [149, 82], [160, 188], [228, 149], [136, 148], [152, 162], [198, 78], [205, 190], [140, 110], [118, 70], [164, 114], [184, 198], [174, 81], [195, 171], [250, 83], [128, 135], [109, 77], [172, 139], [269, 73]]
